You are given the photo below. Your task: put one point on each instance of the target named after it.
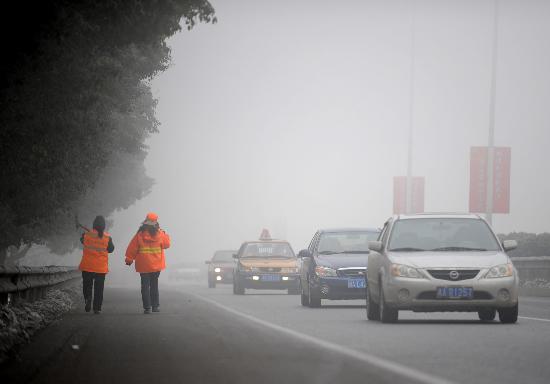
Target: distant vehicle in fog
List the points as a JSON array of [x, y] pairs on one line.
[[333, 267], [185, 271], [220, 268], [441, 262], [266, 264]]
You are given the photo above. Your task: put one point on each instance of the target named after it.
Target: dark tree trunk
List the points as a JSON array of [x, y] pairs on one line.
[[3, 256]]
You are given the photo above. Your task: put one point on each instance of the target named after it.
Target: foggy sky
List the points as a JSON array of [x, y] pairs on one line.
[[293, 116]]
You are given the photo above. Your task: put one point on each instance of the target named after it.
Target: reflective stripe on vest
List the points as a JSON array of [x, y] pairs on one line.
[[95, 243], [95, 248], [150, 250]]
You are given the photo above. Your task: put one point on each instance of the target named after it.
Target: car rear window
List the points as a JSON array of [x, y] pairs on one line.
[[442, 234], [265, 249], [223, 256], [346, 242]]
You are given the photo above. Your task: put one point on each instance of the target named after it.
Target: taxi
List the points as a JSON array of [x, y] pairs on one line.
[[266, 264]]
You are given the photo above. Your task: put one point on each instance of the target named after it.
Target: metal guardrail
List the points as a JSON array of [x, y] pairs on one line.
[[32, 283], [532, 267]]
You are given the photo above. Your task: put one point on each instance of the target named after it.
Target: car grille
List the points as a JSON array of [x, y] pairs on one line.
[[269, 269], [432, 295], [445, 274], [351, 272]]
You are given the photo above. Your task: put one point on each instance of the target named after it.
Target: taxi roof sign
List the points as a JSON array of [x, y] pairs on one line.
[[265, 235]]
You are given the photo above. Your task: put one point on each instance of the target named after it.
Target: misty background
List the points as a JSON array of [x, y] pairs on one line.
[[294, 116]]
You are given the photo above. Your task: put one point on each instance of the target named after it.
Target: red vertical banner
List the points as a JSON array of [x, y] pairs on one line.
[[479, 156], [400, 195], [501, 177], [417, 195], [478, 179]]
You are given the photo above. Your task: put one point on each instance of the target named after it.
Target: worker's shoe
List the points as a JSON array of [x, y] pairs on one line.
[[97, 311], [156, 309], [147, 311], [87, 305]]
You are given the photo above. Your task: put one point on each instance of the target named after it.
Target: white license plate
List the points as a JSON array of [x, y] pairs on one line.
[[455, 293], [356, 283], [270, 278]]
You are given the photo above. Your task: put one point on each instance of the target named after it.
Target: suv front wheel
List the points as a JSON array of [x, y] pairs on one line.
[[387, 314], [508, 315], [487, 314], [373, 312], [238, 289], [314, 297]]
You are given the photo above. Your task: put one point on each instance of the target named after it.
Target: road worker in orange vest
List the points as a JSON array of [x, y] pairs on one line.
[[147, 249], [95, 263]]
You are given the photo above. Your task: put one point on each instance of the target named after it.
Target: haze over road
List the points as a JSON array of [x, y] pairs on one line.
[[212, 336]]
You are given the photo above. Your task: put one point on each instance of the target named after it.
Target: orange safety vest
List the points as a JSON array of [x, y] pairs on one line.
[[95, 257], [148, 251], [150, 257]]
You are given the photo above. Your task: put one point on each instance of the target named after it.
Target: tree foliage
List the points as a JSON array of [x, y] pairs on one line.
[[76, 108]]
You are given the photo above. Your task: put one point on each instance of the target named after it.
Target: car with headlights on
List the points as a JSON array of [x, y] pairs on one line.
[[333, 266], [266, 264], [441, 262], [220, 268]]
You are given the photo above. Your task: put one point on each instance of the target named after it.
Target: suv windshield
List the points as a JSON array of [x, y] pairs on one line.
[[332, 243], [267, 250], [431, 234], [223, 256]]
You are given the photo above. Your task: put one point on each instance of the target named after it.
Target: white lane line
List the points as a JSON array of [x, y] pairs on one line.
[[388, 365], [534, 318]]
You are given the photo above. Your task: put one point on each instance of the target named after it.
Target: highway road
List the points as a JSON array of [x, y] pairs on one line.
[[212, 336]]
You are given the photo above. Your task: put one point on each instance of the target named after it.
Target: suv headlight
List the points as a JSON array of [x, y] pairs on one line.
[[502, 270], [217, 269], [400, 270], [289, 270], [325, 271]]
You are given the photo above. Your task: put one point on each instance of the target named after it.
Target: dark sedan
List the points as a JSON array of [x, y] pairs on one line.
[[334, 265], [220, 268]]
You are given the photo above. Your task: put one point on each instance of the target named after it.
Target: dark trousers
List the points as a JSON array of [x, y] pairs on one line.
[[97, 281], [150, 289]]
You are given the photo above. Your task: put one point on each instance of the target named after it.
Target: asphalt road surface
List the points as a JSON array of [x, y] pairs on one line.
[[212, 336]]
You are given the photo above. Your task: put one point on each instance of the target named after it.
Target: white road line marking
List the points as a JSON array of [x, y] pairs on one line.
[[388, 365], [534, 318]]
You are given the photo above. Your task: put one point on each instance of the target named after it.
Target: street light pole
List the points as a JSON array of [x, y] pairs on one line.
[[411, 116], [491, 141]]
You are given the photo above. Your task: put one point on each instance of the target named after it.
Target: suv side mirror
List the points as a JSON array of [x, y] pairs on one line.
[[375, 246], [509, 245], [235, 255], [304, 253], [207, 262]]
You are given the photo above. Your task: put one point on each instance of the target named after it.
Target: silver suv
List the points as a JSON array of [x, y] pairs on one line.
[[441, 262]]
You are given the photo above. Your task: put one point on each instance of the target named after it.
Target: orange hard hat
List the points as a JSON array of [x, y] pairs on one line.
[[151, 218]]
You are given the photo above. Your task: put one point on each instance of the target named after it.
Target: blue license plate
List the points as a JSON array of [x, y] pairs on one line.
[[356, 283], [270, 278], [455, 293]]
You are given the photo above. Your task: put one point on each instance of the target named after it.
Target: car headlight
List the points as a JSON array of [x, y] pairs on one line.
[[325, 271], [289, 270], [400, 270], [217, 269], [502, 270]]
